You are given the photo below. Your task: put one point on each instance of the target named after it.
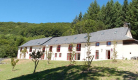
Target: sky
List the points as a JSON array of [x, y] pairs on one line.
[[44, 11]]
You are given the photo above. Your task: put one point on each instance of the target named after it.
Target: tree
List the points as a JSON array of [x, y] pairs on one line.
[[125, 9], [13, 63], [89, 57], [90, 26], [133, 18], [109, 12], [24, 52], [93, 10], [80, 16], [118, 15], [35, 58], [78, 27], [101, 14], [114, 52], [48, 56], [73, 53]]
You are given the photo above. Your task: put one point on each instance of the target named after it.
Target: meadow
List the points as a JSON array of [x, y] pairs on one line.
[[60, 70]]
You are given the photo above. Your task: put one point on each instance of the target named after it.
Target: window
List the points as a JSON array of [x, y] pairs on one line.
[[60, 54], [43, 49], [20, 49], [97, 44], [70, 47], [50, 49], [26, 47], [97, 54], [58, 48], [55, 54], [108, 43], [68, 56], [30, 49], [77, 56], [78, 47]]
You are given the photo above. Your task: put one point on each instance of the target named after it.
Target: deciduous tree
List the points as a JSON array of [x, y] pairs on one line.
[[35, 58]]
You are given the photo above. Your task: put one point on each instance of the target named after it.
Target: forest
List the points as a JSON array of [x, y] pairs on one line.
[[111, 15]]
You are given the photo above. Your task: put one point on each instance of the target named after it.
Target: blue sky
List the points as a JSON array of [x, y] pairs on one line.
[[43, 11]]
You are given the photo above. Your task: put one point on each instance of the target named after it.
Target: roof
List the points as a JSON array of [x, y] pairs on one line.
[[99, 36], [36, 42], [79, 38], [110, 35]]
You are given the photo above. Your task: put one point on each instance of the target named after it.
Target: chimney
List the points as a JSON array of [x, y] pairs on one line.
[[125, 24]]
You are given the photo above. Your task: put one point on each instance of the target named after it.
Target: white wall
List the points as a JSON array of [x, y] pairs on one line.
[[122, 50], [27, 53], [127, 49]]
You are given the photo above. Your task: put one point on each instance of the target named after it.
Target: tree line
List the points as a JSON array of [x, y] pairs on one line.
[[108, 16]]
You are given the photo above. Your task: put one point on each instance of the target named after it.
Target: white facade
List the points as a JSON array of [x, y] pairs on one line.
[[123, 51]]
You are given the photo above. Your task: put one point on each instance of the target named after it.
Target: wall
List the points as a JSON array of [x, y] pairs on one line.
[[122, 50], [27, 53], [130, 51]]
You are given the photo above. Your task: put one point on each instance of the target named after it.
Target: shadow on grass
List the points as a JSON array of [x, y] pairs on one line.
[[77, 72], [15, 69]]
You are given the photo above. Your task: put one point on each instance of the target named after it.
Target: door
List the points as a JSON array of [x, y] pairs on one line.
[[77, 56], [108, 54], [97, 54]]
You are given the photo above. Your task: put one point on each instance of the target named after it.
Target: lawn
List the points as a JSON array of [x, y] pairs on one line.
[[59, 70]]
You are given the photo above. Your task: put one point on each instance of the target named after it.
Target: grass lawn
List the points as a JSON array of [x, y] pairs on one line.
[[58, 70]]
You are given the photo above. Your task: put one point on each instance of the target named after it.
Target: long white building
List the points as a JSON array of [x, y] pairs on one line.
[[102, 44]]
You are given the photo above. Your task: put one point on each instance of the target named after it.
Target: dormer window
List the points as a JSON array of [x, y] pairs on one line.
[[115, 32], [102, 33], [75, 38], [108, 43], [97, 44], [66, 39], [58, 48]]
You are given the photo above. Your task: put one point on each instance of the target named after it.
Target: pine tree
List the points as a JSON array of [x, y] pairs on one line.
[[101, 14], [118, 15], [80, 16], [109, 12], [133, 18], [125, 9], [93, 10]]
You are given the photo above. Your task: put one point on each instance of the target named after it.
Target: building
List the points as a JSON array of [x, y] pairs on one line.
[[102, 44]]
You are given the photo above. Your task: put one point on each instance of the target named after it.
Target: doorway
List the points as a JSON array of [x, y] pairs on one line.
[[108, 54], [97, 54]]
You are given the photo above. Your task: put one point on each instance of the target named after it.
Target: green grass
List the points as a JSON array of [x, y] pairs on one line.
[[59, 70]]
